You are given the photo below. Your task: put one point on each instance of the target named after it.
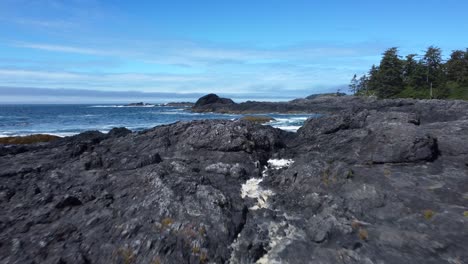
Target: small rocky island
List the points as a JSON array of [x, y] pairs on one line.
[[139, 104], [179, 104], [371, 181]]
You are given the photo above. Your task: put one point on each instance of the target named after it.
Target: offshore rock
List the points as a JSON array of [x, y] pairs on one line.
[[211, 102]]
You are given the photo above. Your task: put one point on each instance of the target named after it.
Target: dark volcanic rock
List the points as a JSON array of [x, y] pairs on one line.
[[119, 132], [365, 185], [211, 102], [170, 194], [180, 104], [426, 110]]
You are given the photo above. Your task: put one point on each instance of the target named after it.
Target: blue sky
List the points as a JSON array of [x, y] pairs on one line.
[[260, 48]]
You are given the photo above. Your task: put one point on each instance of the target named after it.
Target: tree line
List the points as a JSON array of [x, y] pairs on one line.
[[416, 76]]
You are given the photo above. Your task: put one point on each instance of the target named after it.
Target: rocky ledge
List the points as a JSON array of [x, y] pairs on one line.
[[370, 185], [426, 109]]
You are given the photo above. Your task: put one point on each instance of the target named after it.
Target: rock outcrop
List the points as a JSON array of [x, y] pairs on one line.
[[427, 110], [139, 104], [211, 103], [365, 185]]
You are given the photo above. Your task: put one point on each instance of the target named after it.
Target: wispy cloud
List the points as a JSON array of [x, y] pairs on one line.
[[62, 48], [46, 23], [216, 67], [194, 54]]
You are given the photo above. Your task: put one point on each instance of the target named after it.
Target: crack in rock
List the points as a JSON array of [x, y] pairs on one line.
[[252, 189]]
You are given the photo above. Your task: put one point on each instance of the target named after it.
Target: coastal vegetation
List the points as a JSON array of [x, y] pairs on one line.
[[258, 119], [28, 139], [423, 76]]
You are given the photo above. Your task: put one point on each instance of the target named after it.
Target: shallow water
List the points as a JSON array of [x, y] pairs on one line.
[[66, 120]]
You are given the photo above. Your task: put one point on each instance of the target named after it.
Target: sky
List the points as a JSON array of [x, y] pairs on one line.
[[242, 48]]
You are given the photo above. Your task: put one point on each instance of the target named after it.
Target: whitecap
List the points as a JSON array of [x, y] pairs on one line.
[[287, 128]]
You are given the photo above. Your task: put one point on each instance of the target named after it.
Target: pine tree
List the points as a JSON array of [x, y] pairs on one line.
[[353, 85], [373, 82], [457, 67], [389, 75], [362, 87], [435, 75]]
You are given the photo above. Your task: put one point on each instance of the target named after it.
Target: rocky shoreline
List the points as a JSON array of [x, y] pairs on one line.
[[372, 181]]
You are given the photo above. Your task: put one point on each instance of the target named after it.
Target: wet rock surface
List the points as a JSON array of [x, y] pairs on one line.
[[365, 185]]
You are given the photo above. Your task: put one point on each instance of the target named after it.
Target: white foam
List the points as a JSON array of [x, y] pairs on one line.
[[279, 163], [288, 128], [281, 235], [64, 134], [105, 106], [291, 119], [35, 133], [252, 189], [119, 106]]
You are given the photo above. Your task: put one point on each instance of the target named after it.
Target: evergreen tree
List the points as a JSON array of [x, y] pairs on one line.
[[362, 87], [412, 71], [353, 86], [389, 75], [413, 78], [373, 82], [435, 75], [457, 67]]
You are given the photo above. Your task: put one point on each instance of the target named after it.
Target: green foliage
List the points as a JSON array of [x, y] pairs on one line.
[[353, 86], [412, 92], [258, 119], [424, 78], [457, 67], [389, 75]]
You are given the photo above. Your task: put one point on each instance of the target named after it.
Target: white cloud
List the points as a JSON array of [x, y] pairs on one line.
[[197, 54], [216, 67], [62, 48], [43, 23]]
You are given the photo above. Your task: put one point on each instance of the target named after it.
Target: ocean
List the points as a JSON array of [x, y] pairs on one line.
[[67, 120]]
